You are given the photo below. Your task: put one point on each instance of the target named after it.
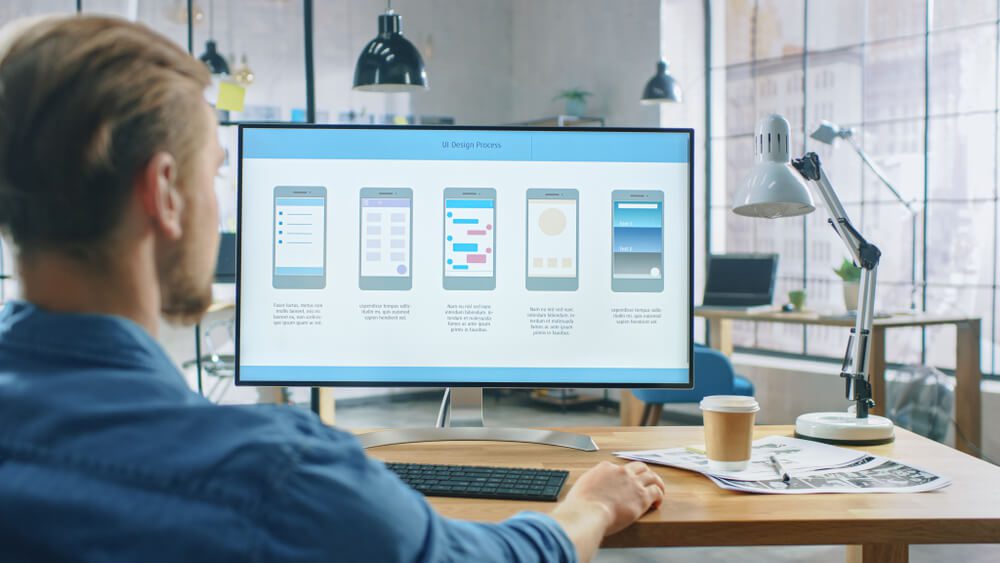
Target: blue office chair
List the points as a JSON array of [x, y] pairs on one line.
[[713, 375]]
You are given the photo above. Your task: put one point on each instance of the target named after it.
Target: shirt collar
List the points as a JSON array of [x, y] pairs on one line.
[[102, 339]]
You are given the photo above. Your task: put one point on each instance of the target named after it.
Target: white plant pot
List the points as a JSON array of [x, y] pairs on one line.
[[576, 108], [851, 290]]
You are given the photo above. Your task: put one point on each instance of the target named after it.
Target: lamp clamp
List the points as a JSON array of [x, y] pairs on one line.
[[808, 166]]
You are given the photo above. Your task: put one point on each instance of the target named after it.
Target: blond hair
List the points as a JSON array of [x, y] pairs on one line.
[[85, 103]]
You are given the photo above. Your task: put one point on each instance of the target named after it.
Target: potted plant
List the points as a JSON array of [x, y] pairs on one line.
[[797, 298], [851, 276], [576, 101]]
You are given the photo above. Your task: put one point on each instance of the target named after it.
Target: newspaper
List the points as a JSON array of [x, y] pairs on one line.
[[794, 454], [812, 466], [869, 475]]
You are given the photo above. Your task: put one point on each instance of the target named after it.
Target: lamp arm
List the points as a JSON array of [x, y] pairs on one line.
[[878, 173], [855, 367], [914, 213]]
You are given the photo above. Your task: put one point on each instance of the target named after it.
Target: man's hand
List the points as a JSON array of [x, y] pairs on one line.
[[625, 492], [605, 500]]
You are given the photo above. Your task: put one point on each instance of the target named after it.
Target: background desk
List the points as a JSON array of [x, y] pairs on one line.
[[697, 513], [968, 374]]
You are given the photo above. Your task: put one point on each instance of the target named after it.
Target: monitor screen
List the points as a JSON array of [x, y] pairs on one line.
[[453, 256]]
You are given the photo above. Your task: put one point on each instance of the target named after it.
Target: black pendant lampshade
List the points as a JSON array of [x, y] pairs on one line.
[[390, 63], [215, 62], [662, 87]]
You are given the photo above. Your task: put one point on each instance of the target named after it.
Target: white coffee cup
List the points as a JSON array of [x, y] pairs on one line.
[[728, 430]]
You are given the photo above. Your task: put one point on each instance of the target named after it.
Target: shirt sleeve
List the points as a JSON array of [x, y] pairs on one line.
[[335, 503]]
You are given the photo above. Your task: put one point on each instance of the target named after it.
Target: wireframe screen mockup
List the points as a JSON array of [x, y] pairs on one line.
[[299, 237], [451, 256]]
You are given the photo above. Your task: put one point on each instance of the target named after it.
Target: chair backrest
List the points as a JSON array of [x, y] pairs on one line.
[[711, 361], [713, 375]]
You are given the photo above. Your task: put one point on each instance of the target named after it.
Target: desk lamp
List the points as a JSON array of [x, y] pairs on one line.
[[778, 188], [829, 133]]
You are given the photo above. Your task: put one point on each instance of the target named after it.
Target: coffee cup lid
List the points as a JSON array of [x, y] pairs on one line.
[[729, 403]]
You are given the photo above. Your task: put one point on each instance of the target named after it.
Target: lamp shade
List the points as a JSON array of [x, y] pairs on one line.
[[661, 88], [828, 133], [215, 62], [390, 63], [773, 189]]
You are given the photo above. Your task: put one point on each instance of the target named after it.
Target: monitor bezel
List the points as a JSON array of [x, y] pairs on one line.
[[483, 384]]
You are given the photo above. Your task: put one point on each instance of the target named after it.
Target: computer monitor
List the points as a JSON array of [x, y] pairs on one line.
[[464, 257]]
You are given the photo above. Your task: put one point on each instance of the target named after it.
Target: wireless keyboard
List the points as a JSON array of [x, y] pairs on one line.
[[470, 481]]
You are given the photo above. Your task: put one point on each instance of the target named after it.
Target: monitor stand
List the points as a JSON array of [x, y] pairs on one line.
[[461, 418]]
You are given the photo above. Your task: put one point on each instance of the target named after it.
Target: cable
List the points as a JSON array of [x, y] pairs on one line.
[[444, 411], [197, 357], [3, 276], [978, 450]]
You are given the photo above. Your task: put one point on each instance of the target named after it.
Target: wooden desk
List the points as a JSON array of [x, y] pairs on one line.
[[968, 374], [698, 513]]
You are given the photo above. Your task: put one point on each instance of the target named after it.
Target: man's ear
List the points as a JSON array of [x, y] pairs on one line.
[[161, 200]]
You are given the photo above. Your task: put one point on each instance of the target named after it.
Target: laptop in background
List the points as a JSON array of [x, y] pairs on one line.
[[740, 282]]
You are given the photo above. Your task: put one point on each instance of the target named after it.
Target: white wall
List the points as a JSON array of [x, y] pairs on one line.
[[608, 48], [467, 52], [496, 62]]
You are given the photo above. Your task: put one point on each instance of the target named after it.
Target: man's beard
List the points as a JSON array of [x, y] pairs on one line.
[[185, 297]]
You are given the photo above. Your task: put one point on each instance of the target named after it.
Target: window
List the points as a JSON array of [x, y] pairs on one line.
[[918, 84]]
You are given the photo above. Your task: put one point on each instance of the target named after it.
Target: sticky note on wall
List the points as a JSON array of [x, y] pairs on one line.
[[230, 97]]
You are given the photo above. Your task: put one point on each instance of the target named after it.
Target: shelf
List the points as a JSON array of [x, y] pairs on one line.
[[564, 121]]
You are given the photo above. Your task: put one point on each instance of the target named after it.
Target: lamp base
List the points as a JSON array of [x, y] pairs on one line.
[[844, 428]]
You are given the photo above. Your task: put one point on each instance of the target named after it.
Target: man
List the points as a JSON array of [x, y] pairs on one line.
[[107, 157]]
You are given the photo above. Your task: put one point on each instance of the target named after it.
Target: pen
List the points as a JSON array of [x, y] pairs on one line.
[[779, 469]]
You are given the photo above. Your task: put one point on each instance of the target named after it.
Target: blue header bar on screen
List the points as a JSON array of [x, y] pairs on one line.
[[452, 144], [468, 204], [308, 201]]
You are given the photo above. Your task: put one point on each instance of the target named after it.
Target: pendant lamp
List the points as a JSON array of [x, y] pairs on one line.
[[215, 62], [662, 87], [389, 62]]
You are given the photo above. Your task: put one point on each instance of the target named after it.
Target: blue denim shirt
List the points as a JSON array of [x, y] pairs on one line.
[[105, 454]]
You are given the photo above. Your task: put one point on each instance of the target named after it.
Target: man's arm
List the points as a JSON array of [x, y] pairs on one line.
[[605, 500], [336, 502]]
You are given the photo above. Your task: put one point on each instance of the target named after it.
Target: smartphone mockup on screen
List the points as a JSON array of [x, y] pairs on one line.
[[552, 246], [386, 239], [299, 247], [637, 240], [470, 236]]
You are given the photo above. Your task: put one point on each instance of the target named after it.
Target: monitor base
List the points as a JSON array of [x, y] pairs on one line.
[[529, 435], [461, 419]]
